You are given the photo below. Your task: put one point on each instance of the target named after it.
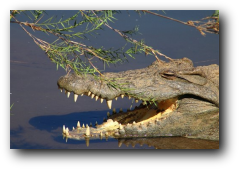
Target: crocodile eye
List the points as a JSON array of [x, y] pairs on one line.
[[168, 75]]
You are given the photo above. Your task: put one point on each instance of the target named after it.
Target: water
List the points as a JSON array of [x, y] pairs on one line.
[[40, 109]]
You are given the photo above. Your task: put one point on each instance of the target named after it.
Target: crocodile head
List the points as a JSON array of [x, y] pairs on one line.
[[177, 100]]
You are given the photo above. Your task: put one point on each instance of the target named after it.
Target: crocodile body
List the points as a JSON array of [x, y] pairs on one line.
[[178, 99]]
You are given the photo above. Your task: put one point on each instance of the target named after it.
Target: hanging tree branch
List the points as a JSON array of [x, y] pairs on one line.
[[146, 48], [59, 52], [211, 26], [70, 54]]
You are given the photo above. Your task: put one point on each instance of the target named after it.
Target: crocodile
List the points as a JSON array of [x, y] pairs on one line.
[[178, 99]]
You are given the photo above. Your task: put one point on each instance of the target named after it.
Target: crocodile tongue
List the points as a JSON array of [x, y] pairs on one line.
[[146, 113]]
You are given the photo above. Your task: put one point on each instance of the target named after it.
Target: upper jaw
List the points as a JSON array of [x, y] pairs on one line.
[[154, 90], [94, 88]]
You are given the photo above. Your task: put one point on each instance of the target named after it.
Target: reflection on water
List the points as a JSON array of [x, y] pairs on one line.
[[159, 143], [171, 143]]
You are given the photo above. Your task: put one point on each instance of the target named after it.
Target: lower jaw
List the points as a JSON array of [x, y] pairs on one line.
[[143, 121]]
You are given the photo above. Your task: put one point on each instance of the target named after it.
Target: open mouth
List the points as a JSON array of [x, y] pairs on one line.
[[142, 116], [145, 113]]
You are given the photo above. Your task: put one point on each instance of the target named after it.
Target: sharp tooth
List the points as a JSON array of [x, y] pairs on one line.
[[120, 143], [82, 94], [114, 111], [78, 124], [73, 128], [92, 96], [64, 129], [89, 93], [106, 134], [120, 126], [122, 96], [68, 94], [96, 98], [109, 103], [87, 141], [67, 131], [61, 90], [101, 100], [75, 97], [116, 98], [87, 132], [83, 126], [136, 101], [108, 114]]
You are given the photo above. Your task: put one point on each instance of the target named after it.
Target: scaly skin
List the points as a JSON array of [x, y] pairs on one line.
[[178, 100]]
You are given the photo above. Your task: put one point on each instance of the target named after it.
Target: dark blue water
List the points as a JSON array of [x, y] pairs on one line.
[[40, 109]]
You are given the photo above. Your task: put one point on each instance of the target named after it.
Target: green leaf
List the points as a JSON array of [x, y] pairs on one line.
[[216, 13], [11, 106]]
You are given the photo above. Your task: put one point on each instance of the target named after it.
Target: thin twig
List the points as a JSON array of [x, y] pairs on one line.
[[95, 67], [200, 28], [39, 19], [132, 40], [185, 23]]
